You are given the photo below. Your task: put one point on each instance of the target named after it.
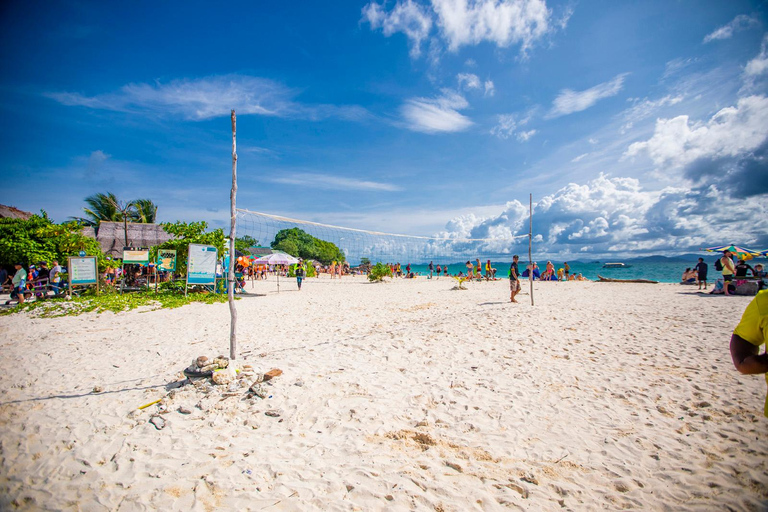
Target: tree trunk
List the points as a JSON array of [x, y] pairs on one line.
[[231, 287]]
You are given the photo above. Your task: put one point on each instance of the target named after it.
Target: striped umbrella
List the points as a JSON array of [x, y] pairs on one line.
[[741, 252]]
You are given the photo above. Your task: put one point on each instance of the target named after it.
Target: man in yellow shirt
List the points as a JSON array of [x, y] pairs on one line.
[[752, 332]]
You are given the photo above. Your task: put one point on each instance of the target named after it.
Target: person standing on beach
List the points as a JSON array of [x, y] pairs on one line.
[[438, 270], [300, 273], [701, 273], [514, 279], [567, 271], [728, 270], [752, 332], [431, 268], [19, 283]]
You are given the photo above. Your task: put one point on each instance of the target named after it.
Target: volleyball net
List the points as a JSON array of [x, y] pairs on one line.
[[384, 247]]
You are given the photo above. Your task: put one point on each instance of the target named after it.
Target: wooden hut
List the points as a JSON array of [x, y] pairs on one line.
[[111, 236]]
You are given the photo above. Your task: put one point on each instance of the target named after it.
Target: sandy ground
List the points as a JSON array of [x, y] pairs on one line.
[[397, 396]]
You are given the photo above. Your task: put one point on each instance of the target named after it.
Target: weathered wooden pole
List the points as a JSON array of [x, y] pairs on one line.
[[231, 273], [530, 242]]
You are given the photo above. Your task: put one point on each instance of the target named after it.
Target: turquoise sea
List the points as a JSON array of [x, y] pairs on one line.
[[668, 271]]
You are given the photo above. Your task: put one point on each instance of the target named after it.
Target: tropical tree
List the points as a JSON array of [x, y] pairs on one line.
[[106, 207]]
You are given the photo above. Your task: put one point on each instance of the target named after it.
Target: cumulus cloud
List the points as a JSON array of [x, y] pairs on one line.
[[759, 65], [468, 81], [616, 215], [645, 108], [408, 17], [209, 97], [468, 22], [731, 132], [740, 22], [431, 115], [568, 101]]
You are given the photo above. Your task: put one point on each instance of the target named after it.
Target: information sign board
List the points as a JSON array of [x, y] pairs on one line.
[[201, 264], [83, 270], [166, 260], [138, 255]]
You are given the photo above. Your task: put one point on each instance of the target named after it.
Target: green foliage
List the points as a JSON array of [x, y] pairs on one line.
[[185, 233], [365, 262], [299, 243], [378, 272], [113, 302], [242, 243], [38, 239]]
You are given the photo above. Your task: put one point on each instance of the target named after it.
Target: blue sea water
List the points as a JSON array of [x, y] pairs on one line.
[[661, 271]]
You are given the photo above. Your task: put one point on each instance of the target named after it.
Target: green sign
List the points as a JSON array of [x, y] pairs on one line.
[[138, 255], [166, 260]]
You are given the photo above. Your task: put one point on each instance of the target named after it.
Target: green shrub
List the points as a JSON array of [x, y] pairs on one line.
[[379, 272]]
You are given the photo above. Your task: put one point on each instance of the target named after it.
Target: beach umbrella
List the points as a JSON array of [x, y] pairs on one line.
[[276, 258], [740, 252]]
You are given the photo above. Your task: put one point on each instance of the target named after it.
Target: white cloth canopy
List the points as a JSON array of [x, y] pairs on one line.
[[276, 258]]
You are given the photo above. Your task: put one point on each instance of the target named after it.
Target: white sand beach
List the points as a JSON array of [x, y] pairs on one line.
[[396, 396]]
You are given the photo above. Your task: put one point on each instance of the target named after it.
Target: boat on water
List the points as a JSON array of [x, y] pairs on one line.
[[616, 265]]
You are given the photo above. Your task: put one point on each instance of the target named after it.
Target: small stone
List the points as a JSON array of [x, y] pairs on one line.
[[350, 488], [184, 410], [703, 404], [271, 374], [209, 368], [272, 414], [423, 423], [158, 422], [389, 497], [98, 389], [201, 362], [299, 383], [221, 361], [222, 377], [530, 478], [258, 390]]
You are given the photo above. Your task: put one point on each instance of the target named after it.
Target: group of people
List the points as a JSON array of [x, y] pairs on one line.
[[25, 281], [734, 270]]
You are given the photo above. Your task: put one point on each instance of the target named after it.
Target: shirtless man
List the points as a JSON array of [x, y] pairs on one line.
[[514, 279]]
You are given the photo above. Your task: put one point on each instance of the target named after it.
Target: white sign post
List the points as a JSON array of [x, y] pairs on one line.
[[83, 272], [201, 265]]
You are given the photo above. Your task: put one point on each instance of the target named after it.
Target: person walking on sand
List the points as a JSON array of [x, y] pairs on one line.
[[514, 279], [728, 270], [701, 273], [752, 332], [431, 269]]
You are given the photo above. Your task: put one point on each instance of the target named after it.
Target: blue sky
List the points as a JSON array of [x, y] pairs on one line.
[[639, 127]]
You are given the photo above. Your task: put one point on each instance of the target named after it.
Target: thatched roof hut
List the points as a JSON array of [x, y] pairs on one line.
[[10, 212], [111, 236]]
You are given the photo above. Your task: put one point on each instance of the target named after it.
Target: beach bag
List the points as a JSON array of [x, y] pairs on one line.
[[718, 265]]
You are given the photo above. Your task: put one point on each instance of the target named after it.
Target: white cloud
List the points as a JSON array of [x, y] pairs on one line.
[[580, 157], [490, 89], [431, 115], [325, 181], [643, 109], [468, 81], [462, 23], [617, 215], [740, 22], [758, 65], [568, 101], [593, 141], [731, 132], [209, 97], [410, 18], [470, 63], [507, 124], [524, 136], [503, 23]]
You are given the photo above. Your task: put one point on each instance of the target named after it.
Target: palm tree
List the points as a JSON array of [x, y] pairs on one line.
[[144, 211], [106, 207]]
